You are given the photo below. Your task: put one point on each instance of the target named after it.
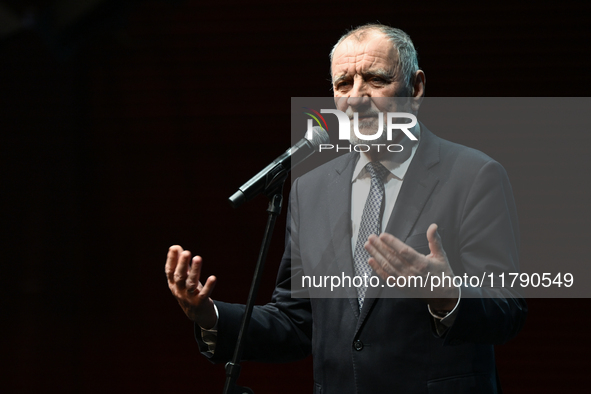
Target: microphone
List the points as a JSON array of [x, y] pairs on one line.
[[274, 174]]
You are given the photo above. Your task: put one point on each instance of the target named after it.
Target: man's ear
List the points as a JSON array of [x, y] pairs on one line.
[[418, 90]]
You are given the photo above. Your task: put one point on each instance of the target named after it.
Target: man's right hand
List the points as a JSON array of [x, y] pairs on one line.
[[184, 284]]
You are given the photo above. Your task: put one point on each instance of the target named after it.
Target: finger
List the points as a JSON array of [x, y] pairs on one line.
[[194, 274], [172, 261], [181, 271], [435, 245], [208, 287], [405, 253], [382, 254], [379, 269]]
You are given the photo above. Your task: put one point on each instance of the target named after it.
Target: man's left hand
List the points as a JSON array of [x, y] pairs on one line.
[[392, 257]]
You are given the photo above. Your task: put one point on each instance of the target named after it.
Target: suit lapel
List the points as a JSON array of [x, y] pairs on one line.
[[418, 184], [417, 187]]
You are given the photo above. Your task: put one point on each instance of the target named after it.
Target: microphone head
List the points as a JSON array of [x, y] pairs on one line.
[[317, 136]]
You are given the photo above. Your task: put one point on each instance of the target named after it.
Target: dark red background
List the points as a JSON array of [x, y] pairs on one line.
[[120, 145]]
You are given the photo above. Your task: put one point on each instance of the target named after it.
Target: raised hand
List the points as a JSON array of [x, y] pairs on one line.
[[392, 257], [183, 281]]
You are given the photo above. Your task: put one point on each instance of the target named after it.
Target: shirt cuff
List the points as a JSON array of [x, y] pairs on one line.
[[210, 336], [443, 322]]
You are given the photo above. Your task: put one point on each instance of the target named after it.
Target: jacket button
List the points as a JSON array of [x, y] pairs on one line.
[[358, 345]]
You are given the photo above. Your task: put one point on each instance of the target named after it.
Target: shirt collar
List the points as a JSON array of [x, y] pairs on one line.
[[397, 170]]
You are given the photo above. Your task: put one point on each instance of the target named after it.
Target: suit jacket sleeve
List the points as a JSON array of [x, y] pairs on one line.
[[279, 331], [488, 242]]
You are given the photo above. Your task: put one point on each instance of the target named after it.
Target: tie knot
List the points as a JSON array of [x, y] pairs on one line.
[[377, 170]]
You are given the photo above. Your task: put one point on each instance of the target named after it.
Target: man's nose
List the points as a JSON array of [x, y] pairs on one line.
[[359, 95]]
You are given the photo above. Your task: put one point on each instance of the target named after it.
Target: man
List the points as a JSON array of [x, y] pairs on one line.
[[445, 209]]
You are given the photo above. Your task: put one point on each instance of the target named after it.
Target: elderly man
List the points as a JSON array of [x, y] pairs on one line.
[[444, 209]]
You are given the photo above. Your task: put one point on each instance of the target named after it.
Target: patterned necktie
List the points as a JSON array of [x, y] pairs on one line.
[[370, 224]]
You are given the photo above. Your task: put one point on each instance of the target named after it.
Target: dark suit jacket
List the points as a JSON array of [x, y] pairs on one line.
[[392, 346]]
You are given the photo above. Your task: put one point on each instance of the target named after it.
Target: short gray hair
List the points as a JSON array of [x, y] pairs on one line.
[[408, 62]]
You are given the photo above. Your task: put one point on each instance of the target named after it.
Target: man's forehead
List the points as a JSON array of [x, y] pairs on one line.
[[370, 49]]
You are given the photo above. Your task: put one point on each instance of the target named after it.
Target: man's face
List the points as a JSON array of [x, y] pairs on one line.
[[363, 72]]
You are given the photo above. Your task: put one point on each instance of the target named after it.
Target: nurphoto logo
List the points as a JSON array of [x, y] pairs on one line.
[[345, 129]]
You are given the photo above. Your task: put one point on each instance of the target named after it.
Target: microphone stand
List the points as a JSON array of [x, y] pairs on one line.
[[274, 192]]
